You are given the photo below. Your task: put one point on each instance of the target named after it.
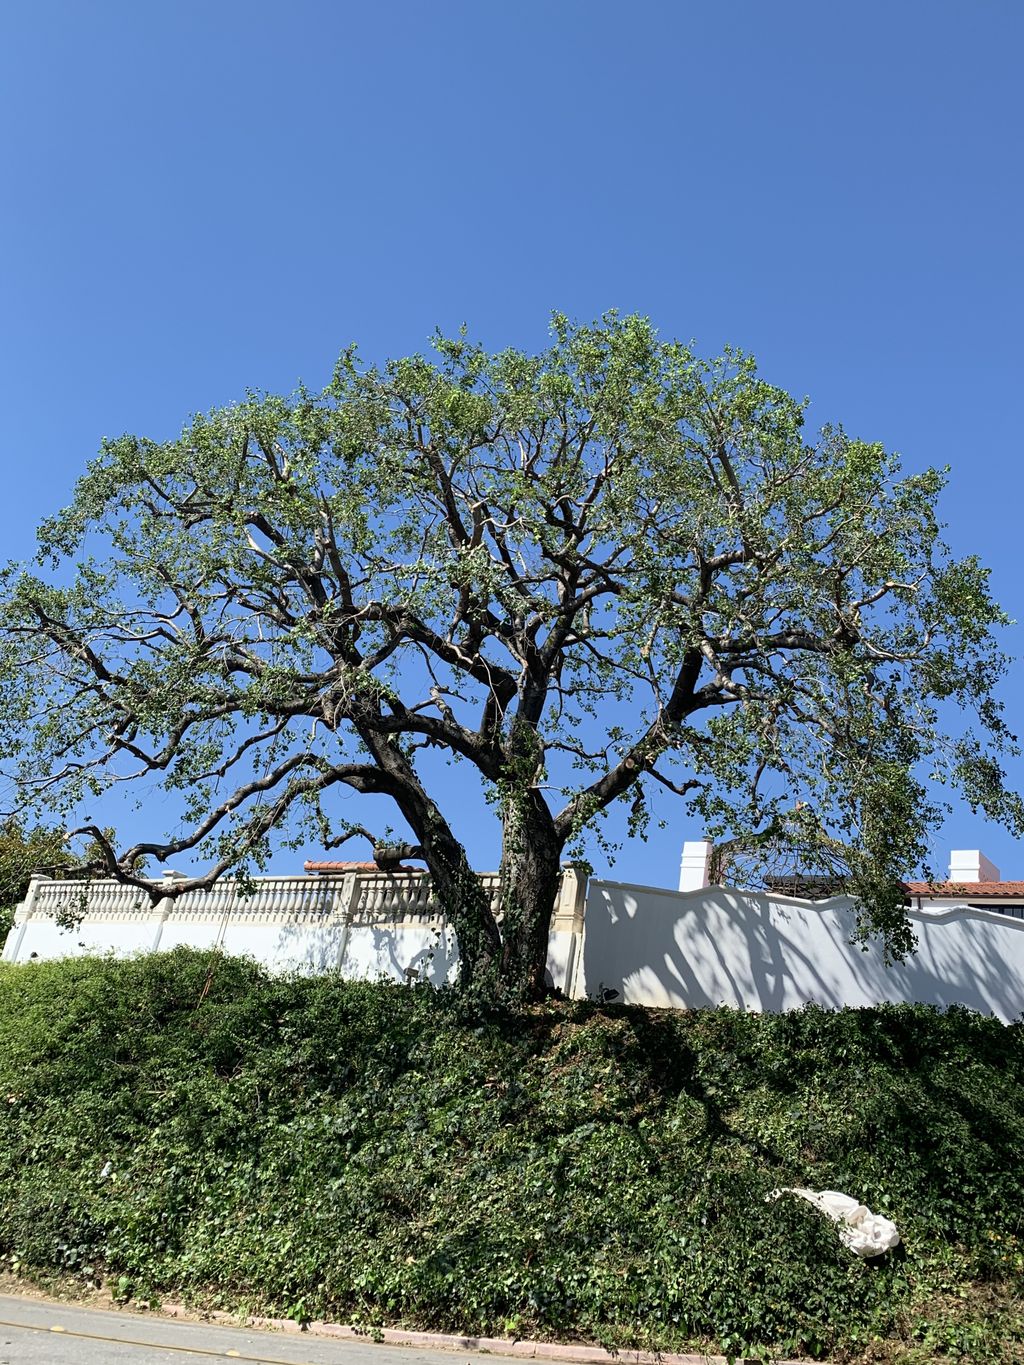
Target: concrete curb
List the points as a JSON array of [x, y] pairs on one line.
[[449, 1341]]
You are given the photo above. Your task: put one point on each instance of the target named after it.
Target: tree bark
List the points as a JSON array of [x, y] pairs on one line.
[[530, 869]]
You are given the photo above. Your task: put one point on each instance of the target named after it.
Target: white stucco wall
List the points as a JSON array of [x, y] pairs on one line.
[[366, 926], [41, 938], [705, 947], [772, 953]]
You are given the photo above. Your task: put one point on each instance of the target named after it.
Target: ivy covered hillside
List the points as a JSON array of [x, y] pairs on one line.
[[184, 1125]]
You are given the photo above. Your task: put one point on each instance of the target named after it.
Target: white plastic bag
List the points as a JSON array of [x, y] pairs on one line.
[[864, 1232]]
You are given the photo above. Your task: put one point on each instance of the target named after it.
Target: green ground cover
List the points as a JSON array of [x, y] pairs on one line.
[[185, 1124]]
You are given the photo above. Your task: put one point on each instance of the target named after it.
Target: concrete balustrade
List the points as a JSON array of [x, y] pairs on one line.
[[709, 946], [365, 924]]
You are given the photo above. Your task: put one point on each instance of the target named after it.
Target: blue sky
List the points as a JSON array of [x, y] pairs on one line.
[[198, 198]]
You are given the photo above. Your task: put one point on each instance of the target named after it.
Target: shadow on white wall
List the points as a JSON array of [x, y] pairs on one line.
[[764, 952]]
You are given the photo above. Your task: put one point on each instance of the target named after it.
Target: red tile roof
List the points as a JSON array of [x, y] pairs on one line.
[[967, 890]]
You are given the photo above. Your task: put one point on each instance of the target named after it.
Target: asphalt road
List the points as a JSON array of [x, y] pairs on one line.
[[36, 1332]]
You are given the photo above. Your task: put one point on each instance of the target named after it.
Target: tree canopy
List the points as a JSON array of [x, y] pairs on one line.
[[27, 851], [608, 567]]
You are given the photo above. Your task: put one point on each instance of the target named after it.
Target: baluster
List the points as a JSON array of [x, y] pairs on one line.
[[293, 898]]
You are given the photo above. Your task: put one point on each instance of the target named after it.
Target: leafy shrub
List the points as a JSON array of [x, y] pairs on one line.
[[184, 1122]]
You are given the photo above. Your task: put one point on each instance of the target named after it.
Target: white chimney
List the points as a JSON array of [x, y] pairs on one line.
[[695, 864], [971, 865]]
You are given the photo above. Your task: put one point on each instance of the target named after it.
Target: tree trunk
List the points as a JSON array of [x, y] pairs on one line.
[[463, 901], [459, 891], [530, 869]]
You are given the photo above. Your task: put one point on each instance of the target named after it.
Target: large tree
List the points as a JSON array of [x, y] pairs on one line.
[[586, 573]]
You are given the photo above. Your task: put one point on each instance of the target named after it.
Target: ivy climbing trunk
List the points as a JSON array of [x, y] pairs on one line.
[[464, 902], [459, 893], [530, 872], [458, 890]]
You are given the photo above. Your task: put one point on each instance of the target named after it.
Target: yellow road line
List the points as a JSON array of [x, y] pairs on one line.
[[154, 1345]]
